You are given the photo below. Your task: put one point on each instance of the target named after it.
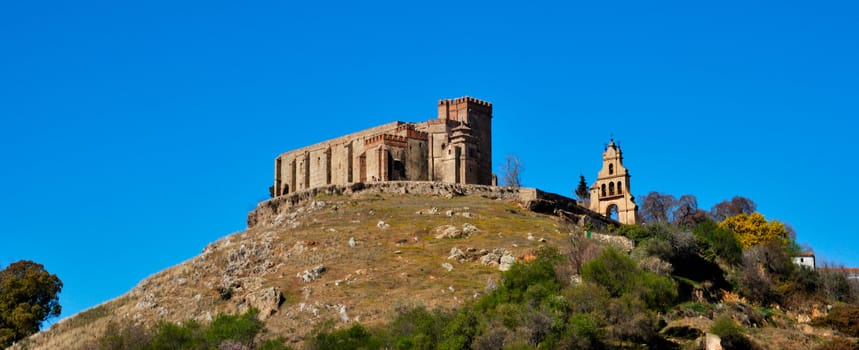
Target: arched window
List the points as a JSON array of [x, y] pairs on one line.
[[611, 188], [611, 169], [619, 188], [611, 212], [603, 190]]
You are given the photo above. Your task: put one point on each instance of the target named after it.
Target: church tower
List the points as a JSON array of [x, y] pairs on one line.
[[611, 192]]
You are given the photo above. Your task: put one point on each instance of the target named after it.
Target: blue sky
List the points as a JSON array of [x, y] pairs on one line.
[[133, 134]]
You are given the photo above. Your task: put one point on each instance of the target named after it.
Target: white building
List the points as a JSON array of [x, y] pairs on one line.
[[805, 259]]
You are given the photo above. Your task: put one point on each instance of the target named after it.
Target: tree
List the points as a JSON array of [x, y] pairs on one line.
[[686, 212], [753, 229], [657, 207], [512, 172], [582, 191], [28, 297], [735, 206]]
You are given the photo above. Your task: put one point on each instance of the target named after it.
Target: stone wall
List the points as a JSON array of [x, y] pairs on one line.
[[533, 199], [454, 148]]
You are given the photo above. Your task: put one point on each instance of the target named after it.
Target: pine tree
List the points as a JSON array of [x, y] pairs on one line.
[[582, 190]]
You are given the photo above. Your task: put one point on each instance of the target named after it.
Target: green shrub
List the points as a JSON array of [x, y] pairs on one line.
[[620, 275], [274, 344], [237, 330], [613, 270], [715, 243], [724, 326], [461, 331], [583, 332], [170, 336], [531, 281], [240, 328], [417, 328], [637, 233], [587, 297], [352, 338]]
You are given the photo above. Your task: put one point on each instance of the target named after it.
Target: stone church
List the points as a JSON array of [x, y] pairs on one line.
[[454, 148]]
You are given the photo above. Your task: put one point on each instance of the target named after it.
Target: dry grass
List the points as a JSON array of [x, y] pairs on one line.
[[400, 264]]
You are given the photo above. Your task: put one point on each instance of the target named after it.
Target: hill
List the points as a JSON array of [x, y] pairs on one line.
[[396, 259], [361, 254]]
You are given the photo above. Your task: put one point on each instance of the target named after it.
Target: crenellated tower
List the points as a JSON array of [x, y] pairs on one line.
[[611, 191], [461, 142]]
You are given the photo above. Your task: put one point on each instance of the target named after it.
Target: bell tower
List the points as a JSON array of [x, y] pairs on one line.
[[611, 192]]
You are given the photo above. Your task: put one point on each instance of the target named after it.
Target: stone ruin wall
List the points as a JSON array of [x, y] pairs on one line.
[[266, 212]]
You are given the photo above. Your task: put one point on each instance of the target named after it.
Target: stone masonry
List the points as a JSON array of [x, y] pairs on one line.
[[611, 192], [454, 148]]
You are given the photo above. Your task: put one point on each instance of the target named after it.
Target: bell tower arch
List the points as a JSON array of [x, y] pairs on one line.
[[611, 189]]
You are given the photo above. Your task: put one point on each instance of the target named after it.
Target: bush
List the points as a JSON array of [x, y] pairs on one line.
[[583, 332], [724, 326], [620, 275], [239, 328], [417, 328], [274, 344], [737, 342], [531, 281], [844, 318], [717, 243], [836, 286], [169, 335], [637, 233], [586, 297], [612, 270], [226, 331], [629, 319], [839, 343], [461, 331], [352, 338], [123, 337]]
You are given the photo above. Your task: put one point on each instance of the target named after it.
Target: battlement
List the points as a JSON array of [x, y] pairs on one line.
[[409, 130], [387, 139], [466, 99]]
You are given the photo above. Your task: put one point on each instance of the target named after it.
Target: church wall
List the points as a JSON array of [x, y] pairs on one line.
[[417, 160], [341, 163], [320, 167]]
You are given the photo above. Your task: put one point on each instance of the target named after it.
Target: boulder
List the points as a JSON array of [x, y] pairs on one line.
[[468, 229], [506, 262], [447, 231], [456, 253], [267, 301], [312, 274]]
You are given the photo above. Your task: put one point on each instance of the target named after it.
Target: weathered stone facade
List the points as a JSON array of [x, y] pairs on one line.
[[454, 148], [611, 191]]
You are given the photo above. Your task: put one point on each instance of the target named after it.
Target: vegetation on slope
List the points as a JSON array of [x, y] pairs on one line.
[[686, 275]]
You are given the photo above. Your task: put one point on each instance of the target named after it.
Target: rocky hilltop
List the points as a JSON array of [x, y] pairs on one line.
[[344, 253]]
